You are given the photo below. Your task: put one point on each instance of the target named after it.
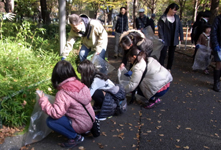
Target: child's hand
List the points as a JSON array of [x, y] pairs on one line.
[[122, 66], [40, 93]]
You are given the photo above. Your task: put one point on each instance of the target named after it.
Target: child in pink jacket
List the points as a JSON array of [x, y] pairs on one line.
[[67, 116]]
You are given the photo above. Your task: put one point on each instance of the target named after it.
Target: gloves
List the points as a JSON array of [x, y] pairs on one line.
[[217, 48], [161, 40], [63, 58], [128, 74], [197, 46]]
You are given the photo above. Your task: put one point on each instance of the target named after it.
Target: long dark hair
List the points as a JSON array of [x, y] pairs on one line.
[[137, 41], [171, 6], [88, 72], [62, 71], [139, 55], [131, 38]]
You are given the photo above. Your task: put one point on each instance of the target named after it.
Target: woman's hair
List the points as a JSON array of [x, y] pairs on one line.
[[88, 72], [137, 41], [123, 8], [171, 6], [131, 38], [139, 54], [74, 19], [62, 71]]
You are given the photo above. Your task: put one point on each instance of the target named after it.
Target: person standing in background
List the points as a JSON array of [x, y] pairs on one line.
[[151, 22], [216, 44], [169, 30], [142, 21], [120, 25]]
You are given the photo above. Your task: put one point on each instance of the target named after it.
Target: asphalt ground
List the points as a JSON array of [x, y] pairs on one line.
[[187, 118]]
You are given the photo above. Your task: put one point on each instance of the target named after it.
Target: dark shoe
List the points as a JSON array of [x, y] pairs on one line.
[[216, 85], [73, 142]]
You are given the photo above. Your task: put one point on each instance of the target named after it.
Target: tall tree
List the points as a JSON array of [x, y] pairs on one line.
[[214, 10], [44, 12], [151, 4], [182, 6], [134, 13]]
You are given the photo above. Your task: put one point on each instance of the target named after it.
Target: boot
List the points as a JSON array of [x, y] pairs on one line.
[[216, 85]]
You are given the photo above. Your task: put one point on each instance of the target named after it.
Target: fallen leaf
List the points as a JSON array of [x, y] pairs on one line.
[[178, 146], [206, 147], [81, 147], [148, 131], [186, 147], [130, 124], [133, 145], [188, 129], [161, 134], [178, 140], [103, 133], [121, 125]]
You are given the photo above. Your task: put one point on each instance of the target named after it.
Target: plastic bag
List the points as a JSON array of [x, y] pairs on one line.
[[102, 65], [122, 79], [202, 58], [38, 128], [157, 43]]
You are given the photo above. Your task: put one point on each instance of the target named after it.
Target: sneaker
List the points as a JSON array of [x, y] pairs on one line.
[[104, 118], [73, 142], [206, 71], [157, 101], [149, 106], [115, 55], [120, 55]]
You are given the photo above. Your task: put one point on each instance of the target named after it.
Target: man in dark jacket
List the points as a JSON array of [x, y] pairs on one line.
[[142, 21], [120, 25], [151, 22], [216, 44]]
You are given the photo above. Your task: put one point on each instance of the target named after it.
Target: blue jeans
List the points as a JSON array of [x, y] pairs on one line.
[[62, 126], [84, 52]]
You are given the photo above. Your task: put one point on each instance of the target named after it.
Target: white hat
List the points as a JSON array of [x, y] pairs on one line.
[[141, 10]]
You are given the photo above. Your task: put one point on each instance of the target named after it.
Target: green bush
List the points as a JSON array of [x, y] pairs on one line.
[[27, 59]]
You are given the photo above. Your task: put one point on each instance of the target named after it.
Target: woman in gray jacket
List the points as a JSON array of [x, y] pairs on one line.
[[150, 78], [169, 30]]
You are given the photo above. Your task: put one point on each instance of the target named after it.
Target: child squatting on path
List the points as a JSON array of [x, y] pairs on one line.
[[106, 95], [150, 78], [67, 116]]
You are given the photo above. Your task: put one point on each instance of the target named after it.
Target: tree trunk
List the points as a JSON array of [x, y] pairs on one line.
[[128, 14], [214, 10], [195, 10], [8, 6], [44, 12], [134, 13], [109, 16]]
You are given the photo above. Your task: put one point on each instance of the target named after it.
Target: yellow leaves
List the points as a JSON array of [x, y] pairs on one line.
[[81, 148], [188, 129], [186, 147], [100, 145], [178, 127]]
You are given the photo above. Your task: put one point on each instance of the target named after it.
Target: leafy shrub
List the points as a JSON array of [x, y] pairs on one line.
[[27, 59]]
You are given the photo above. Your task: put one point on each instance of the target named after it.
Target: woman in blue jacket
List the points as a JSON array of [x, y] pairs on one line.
[[169, 30]]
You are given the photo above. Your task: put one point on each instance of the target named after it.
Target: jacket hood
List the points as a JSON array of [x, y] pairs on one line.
[[75, 89]]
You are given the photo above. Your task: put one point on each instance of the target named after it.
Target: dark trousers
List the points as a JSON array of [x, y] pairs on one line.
[[98, 98], [170, 56]]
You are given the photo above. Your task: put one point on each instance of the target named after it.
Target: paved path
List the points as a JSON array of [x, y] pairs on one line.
[[187, 118]]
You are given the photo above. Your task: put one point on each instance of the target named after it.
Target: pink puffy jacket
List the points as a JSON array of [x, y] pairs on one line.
[[72, 93]]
